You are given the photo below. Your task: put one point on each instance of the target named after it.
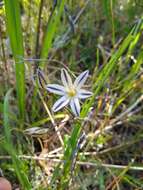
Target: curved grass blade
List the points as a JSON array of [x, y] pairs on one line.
[[51, 28], [8, 145]]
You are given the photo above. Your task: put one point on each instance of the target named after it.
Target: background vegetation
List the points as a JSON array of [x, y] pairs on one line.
[[102, 149]]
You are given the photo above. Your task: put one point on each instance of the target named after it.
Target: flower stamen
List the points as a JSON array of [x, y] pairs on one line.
[[71, 92]]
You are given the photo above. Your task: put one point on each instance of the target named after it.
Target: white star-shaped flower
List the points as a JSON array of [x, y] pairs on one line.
[[70, 92]]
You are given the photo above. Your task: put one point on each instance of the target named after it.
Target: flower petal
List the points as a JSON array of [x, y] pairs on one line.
[[63, 101], [83, 94], [66, 79], [80, 80], [56, 89], [75, 106]]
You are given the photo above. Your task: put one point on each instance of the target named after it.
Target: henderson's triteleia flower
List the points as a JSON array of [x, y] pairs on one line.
[[70, 92]]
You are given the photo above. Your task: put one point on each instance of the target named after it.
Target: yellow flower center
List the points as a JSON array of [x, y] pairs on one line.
[[71, 92]]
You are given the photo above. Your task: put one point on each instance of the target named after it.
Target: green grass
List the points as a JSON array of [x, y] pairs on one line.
[[107, 40], [14, 30], [18, 165], [53, 24]]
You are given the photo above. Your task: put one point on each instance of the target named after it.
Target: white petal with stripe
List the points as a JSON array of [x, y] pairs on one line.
[[83, 94], [66, 79], [62, 102], [56, 89], [75, 106], [80, 80]]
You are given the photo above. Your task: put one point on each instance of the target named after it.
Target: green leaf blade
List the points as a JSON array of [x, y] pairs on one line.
[[14, 30]]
